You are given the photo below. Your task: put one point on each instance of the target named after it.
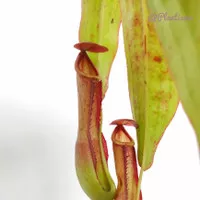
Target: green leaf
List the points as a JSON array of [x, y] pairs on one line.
[[181, 42], [100, 24], [153, 95]]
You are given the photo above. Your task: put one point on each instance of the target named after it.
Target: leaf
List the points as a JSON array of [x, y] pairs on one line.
[[100, 24], [181, 42], [152, 92], [91, 150]]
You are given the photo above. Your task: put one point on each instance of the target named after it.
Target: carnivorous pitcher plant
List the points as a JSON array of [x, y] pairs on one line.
[[157, 75]]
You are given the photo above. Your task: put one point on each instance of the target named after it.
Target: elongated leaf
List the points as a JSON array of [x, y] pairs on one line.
[[91, 152], [100, 24], [153, 95], [180, 38]]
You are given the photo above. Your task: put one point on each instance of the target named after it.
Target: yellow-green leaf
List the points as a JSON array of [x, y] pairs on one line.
[[153, 95], [181, 41], [100, 24]]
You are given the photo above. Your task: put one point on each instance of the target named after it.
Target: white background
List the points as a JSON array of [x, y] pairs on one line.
[[38, 111]]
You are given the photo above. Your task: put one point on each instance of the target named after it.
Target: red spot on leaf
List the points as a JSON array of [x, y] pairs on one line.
[[157, 59], [137, 57], [136, 21], [145, 47]]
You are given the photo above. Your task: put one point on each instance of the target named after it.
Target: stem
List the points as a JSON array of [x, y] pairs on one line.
[[139, 184]]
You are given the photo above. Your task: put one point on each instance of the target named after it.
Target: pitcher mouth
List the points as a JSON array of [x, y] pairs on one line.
[[91, 71], [120, 136]]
